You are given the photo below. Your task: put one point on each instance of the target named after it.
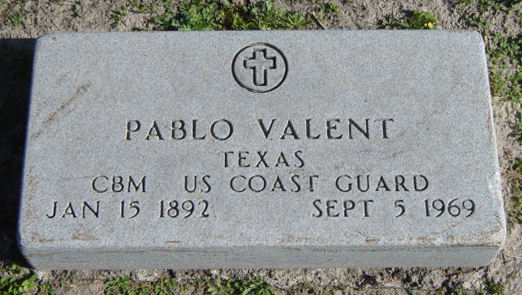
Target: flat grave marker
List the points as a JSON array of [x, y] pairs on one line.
[[260, 149]]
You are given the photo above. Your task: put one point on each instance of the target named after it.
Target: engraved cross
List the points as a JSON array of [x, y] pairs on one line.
[[259, 63]]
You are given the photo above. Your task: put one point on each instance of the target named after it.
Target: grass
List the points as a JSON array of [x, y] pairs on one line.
[[138, 6], [422, 20], [312, 288], [514, 211], [224, 15], [255, 286], [504, 51], [327, 7], [479, 22], [118, 15], [133, 6], [517, 129], [494, 288], [494, 5], [16, 280], [15, 12], [505, 65], [78, 9], [417, 20], [200, 15], [125, 286], [491, 288], [16, 18]]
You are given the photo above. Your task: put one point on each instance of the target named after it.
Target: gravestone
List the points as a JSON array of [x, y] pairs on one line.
[[261, 150]]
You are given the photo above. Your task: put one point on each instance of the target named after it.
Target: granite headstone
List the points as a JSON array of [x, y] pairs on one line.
[[261, 150]]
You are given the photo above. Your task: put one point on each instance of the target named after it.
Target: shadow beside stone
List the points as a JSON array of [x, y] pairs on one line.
[[16, 59]]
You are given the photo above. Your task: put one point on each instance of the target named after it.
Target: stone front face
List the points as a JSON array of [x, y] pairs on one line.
[[260, 150]]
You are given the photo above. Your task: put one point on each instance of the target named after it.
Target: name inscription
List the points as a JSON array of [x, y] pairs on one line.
[[223, 129]]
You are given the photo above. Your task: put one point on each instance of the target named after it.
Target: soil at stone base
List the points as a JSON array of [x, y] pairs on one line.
[[62, 16]]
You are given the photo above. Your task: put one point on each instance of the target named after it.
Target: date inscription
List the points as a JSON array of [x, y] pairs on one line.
[[332, 208], [129, 209]]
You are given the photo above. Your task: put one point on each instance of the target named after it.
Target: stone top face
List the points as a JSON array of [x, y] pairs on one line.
[[261, 149]]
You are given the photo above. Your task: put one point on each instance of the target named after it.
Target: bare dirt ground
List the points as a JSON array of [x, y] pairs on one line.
[[43, 17]]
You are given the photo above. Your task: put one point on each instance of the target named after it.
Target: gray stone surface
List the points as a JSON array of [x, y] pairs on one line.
[[307, 149]]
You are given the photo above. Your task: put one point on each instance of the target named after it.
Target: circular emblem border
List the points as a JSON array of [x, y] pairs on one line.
[[252, 45]]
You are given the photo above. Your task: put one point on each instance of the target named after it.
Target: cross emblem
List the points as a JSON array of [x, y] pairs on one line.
[[259, 67], [260, 63]]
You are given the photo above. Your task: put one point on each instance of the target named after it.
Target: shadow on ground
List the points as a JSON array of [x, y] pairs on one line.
[[16, 57]]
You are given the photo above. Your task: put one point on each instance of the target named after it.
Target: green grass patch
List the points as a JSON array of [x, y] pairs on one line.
[[494, 288], [224, 15], [494, 5], [118, 15], [491, 288], [132, 6], [514, 211], [255, 286], [517, 129], [16, 280], [417, 20], [15, 12], [504, 51], [327, 7], [479, 22], [125, 286], [505, 68]]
